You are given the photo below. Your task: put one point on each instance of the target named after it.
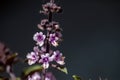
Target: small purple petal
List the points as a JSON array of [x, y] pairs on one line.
[[35, 76], [39, 38], [57, 56], [50, 76], [45, 59], [32, 58], [53, 39]]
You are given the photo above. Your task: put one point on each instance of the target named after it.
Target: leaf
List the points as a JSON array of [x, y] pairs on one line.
[[1, 78], [75, 77], [64, 69], [11, 58], [18, 79], [2, 69], [31, 69], [61, 68]]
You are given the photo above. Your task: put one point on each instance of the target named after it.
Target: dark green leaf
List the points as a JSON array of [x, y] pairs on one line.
[[2, 68], [31, 69], [18, 78], [63, 70], [75, 77], [1, 78], [11, 58]]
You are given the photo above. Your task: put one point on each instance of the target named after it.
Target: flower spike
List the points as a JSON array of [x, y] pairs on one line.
[[49, 37]]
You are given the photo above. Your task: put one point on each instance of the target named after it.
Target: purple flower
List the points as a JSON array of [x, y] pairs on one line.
[[3, 51], [35, 76], [43, 24], [56, 26], [53, 39], [39, 51], [32, 58], [51, 7], [57, 56], [49, 76], [36, 49], [45, 59], [39, 38]]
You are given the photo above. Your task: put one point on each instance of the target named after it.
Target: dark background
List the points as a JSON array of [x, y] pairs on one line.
[[91, 34]]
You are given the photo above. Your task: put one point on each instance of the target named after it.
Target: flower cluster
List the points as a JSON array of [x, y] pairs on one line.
[[36, 76], [53, 39], [39, 56], [45, 24], [51, 7], [42, 52]]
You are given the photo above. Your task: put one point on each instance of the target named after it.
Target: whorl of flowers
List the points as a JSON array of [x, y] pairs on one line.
[[42, 53]]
